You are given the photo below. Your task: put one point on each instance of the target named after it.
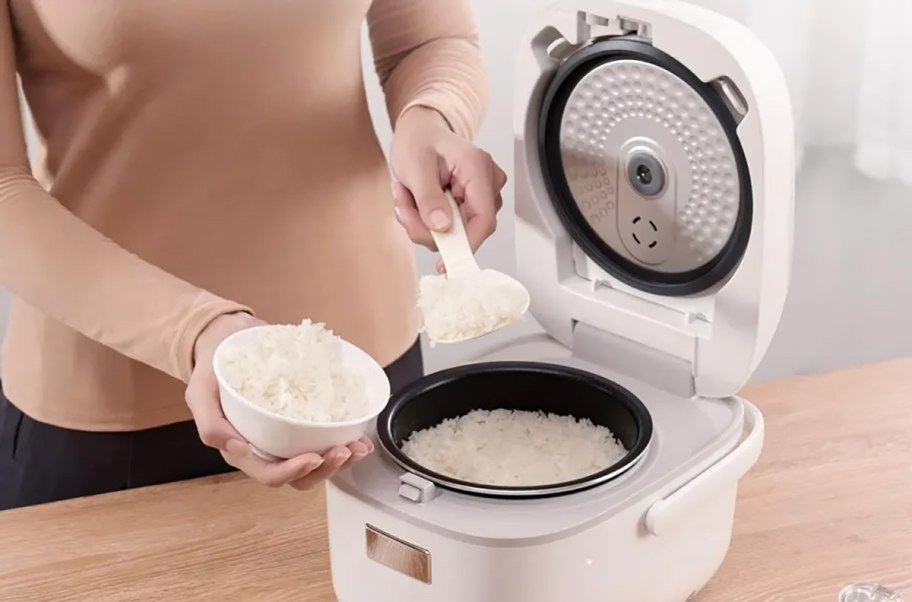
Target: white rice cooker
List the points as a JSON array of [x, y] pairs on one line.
[[654, 221]]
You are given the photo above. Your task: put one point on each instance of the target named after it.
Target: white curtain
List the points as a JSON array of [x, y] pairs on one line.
[[849, 69], [884, 149]]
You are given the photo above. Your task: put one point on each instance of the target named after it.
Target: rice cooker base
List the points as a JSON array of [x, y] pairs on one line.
[[612, 556], [593, 540]]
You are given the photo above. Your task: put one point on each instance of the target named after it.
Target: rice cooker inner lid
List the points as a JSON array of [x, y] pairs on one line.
[[654, 190], [644, 167]]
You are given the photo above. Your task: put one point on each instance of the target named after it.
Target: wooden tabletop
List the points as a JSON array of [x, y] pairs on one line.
[[829, 503]]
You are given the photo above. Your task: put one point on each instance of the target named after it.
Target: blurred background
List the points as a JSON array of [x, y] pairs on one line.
[[850, 80]]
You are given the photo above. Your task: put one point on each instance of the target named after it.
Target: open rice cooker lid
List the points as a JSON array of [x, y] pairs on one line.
[[655, 185]]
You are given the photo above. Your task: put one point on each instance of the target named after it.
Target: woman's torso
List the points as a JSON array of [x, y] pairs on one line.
[[227, 142]]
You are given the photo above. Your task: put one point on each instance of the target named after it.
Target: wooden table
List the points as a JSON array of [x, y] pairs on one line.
[[830, 503]]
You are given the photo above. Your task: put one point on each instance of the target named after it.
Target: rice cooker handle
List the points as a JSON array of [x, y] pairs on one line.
[[718, 481]]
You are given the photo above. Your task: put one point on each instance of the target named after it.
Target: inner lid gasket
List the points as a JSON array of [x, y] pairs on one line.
[[710, 270], [425, 388]]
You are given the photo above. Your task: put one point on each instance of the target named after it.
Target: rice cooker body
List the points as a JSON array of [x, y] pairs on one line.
[[381, 556], [673, 509]]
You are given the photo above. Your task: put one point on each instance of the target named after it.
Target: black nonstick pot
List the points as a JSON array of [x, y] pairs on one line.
[[524, 386]]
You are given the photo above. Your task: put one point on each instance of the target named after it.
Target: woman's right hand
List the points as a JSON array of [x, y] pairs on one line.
[[301, 472]]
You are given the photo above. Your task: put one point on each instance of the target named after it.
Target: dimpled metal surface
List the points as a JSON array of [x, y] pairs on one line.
[[625, 100]]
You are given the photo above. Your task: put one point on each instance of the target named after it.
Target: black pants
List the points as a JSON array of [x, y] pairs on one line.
[[42, 463]]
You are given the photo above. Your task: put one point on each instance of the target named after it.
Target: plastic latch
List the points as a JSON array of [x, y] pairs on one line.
[[417, 489], [590, 25]]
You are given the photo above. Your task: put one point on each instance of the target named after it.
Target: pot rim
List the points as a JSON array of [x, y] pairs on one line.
[[620, 394]]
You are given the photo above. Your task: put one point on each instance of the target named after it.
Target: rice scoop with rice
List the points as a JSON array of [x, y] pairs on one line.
[[514, 448], [296, 372], [461, 308]]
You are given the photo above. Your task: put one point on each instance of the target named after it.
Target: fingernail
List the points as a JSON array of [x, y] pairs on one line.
[[440, 220], [314, 464], [341, 458], [236, 448]]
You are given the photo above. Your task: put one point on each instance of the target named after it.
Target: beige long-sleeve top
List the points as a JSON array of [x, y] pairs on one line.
[[200, 157]]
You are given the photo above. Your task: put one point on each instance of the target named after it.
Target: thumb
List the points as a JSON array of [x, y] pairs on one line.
[[424, 184]]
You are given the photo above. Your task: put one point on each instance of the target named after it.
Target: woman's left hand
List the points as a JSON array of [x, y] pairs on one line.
[[427, 157]]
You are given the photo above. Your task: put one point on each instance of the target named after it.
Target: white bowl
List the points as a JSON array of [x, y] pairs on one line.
[[277, 437]]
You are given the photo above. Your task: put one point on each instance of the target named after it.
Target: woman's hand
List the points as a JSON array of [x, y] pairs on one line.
[[301, 472], [427, 158]]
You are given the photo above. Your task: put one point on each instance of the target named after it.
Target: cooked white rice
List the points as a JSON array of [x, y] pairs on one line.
[[297, 372], [514, 448], [466, 307]]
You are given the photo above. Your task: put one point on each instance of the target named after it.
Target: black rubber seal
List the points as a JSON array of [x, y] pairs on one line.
[[525, 386], [565, 80]]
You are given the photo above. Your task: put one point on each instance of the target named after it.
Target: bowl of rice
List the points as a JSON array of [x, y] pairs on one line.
[[294, 389], [516, 429]]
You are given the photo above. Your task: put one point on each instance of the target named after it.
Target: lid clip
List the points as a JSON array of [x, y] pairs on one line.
[[417, 489], [591, 26]]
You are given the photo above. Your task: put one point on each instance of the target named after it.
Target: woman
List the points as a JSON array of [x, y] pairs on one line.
[[208, 161]]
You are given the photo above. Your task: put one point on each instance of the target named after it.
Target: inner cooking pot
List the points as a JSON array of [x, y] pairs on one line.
[[524, 386]]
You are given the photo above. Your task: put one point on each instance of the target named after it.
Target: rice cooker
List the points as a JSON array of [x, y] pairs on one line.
[[654, 197]]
